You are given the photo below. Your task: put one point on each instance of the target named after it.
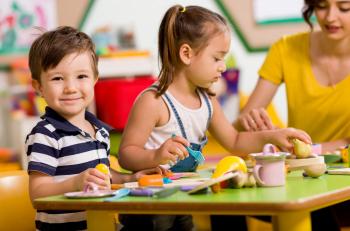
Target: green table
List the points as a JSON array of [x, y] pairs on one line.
[[290, 205]]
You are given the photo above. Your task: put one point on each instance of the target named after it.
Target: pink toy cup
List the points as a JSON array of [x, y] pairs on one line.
[[269, 172], [270, 167]]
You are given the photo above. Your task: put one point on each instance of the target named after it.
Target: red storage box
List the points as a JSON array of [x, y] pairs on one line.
[[115, 97]]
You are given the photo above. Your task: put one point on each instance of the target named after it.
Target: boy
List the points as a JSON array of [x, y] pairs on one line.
[[64, 148]]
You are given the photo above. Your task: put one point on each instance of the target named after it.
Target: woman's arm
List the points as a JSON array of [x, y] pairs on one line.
[[334, 145], [254, 117]]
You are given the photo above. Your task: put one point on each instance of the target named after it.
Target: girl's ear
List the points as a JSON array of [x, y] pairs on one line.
[[36, 86], [96, 79], [185, 53]]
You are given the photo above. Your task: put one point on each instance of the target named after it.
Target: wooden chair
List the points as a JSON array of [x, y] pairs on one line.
[[16, 211]]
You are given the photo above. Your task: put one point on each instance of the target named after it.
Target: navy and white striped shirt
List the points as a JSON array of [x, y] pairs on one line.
[[58, 148]]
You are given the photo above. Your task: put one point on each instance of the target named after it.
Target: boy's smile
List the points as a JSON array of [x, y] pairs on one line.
[[68, 88]]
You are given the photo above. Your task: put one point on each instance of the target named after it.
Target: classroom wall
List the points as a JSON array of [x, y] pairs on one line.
[[145, 16]]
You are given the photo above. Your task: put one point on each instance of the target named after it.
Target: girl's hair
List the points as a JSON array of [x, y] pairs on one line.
[[308, 10], [193, 25], [52, 46]]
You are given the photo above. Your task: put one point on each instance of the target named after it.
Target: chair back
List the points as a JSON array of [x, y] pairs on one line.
[[16, 210]]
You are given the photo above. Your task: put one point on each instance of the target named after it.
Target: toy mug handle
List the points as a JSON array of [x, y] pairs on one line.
[[256, 171], [269, 148]]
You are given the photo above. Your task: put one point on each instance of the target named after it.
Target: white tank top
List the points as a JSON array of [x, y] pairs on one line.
[[195, 121]]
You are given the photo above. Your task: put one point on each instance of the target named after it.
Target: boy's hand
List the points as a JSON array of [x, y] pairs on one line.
[[91, 178], [283, 138], [255, 120], [173, 149]]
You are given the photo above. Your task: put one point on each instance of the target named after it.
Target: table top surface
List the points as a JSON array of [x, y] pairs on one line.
[[299, 193]]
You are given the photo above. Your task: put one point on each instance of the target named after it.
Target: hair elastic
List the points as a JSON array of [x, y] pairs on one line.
[[183, 9]]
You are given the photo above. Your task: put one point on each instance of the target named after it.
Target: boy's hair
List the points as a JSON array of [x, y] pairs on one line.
[[308, 10], [193, 25], [52, 46]]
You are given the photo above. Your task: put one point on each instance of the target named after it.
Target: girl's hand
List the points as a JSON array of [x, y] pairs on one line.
[[173, 149], [91, 178], [283, 138], [255, 120]]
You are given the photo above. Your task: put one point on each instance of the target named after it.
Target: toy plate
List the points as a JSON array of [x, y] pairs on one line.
[[212, 181], [295, 164], [91, 194]]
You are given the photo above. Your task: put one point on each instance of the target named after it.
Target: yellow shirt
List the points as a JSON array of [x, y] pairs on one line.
[[323, 112]]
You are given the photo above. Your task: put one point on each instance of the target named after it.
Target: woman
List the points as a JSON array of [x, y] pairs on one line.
[[315, 67]]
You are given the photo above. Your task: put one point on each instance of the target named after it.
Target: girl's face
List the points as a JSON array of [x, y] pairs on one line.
[[68, 88], [333, 17], [207, 66]]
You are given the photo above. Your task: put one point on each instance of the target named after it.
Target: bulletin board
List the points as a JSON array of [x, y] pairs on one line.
[[18, 19], [257, 36]]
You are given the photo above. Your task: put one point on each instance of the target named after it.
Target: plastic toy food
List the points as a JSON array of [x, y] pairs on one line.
[[315, 170], [250, 182], [102, 168], [105, 170], [229, 164], [301, 149], [154, 180]]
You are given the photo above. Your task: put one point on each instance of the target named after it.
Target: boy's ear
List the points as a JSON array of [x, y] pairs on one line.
[[36, 86], [186, 53]]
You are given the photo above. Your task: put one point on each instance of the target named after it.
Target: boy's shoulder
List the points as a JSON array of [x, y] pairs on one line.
[[45, 128], [43, 125]]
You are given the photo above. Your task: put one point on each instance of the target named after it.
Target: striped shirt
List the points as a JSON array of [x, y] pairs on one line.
[[58, 148]]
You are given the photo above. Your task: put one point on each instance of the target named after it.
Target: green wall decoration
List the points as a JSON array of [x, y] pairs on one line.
[[256, 37]]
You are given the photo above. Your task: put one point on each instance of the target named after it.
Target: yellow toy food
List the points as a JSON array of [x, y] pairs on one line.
[[225, 165], [345, 154], [105, 170], [102, 168], [301, 149]]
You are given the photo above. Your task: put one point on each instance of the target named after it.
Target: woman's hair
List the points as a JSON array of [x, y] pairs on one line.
[[193, 25], [308, 10], [51, 47]]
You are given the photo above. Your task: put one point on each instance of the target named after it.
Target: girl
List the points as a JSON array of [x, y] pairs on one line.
[[193, 42]]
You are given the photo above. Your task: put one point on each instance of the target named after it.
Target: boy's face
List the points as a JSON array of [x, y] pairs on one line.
[[68, 88]]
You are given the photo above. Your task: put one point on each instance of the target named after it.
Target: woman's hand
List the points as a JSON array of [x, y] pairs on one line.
[[255, 120]]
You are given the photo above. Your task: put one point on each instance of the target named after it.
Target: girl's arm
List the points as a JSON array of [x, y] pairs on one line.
[[148, 112], [248, 142], [254, 116]]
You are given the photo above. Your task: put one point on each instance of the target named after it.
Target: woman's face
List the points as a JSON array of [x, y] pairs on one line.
[[333, 17]]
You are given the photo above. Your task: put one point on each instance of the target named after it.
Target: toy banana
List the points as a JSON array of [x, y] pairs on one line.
[[225, 165]]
